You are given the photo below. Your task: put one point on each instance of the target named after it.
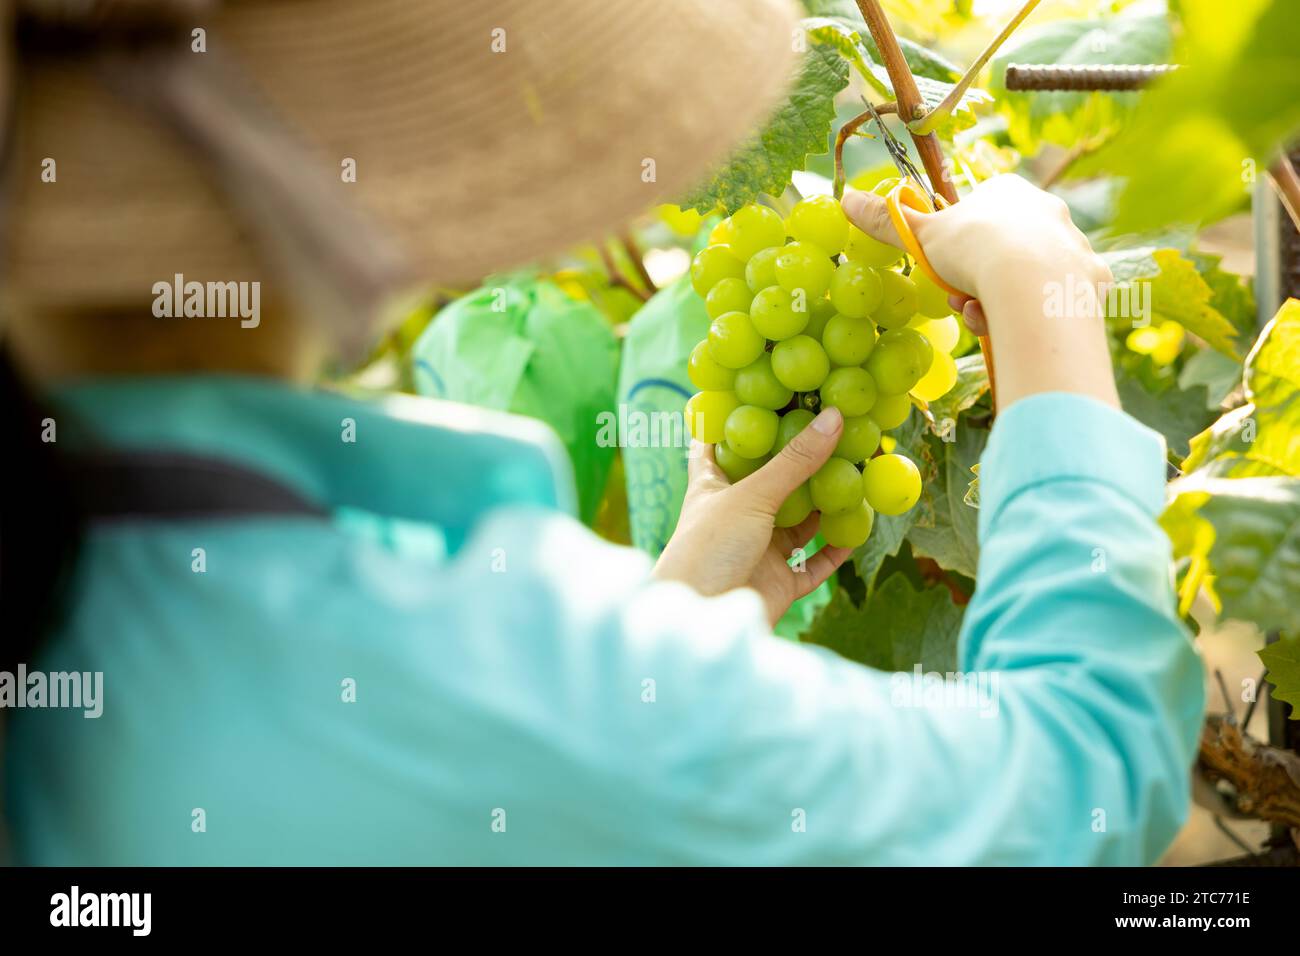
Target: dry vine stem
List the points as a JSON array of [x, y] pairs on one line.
[[1266, 780], [910, 108]]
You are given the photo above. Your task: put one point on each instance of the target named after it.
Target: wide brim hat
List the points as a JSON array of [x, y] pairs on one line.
[[454, 138]]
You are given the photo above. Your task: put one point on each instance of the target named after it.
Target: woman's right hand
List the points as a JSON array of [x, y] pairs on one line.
[[1037, 288]]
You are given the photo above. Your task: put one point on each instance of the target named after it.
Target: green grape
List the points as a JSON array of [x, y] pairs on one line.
[[729, 295], [795, 508], [855, 289], [891, 484], [897, 363], [754, 228], [711, 266], [800, 363], [931, 301], [801, 265], [792, 423], [751, 431], [869, 251], [818, 315], [851, 390], [774, 314], [821, 221], [858, 441], [890, 411], [720, 235], [705, 372], [757, 385], [848, 341], [897, 300], [938, 380], [943, 333], [734, 466], [706, 415], [848, 529], [760, 270], [733, 340], [918, 343], [836, 486]]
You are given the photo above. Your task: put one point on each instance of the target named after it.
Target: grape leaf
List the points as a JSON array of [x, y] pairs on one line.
[[801, 126], [896, 628], [1282, 658], [922, 61], [1214, 370], [1256, 549], [887, 534], [1261, 438], [1175, 413], [951, 537], [854, 46], [1179, 293], [1066, 118]]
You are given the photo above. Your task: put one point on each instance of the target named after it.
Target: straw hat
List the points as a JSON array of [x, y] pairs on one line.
[[483, 135]]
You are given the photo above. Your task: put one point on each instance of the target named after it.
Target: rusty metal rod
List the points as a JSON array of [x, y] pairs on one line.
[[1046, 77]]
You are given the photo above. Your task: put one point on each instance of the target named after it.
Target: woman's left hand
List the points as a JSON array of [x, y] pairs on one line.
[[726, 537]]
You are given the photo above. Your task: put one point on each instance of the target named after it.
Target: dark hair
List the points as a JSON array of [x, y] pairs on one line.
[[40, 519]]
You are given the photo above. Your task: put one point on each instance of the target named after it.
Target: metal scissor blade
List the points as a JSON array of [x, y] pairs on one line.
[[898, 153]]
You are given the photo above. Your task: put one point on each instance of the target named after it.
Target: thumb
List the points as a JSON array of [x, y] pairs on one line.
[[869, 213], [797, 461]]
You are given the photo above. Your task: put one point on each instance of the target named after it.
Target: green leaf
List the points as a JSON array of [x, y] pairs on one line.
[[1261, 438], [1200, 137], [887, 534], [1256, 549], [861, 52], [801, 126], [1282, 658], [922, 61], [950, 536], [1179, 293], [1175, 413], [1064, 118], [896, 628], [1214, 370]]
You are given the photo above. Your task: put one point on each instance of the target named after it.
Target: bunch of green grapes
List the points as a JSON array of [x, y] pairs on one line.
[[807, 313]]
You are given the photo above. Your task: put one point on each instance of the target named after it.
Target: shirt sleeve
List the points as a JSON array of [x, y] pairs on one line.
[[1073, 746]]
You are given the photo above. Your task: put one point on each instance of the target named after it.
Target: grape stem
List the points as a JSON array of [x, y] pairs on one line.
[[847, 130], [911, 108], [628, 241], [616, 277]]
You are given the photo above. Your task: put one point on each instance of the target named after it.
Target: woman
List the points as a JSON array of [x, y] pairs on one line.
[[335, 632]]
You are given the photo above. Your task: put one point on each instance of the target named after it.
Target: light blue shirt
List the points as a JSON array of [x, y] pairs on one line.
[[524, 694]]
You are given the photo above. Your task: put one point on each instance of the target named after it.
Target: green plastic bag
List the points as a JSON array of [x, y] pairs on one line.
[[526, 347], [652, 391]]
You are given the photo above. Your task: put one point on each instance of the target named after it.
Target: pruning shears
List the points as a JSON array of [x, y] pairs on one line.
[[913, 193]]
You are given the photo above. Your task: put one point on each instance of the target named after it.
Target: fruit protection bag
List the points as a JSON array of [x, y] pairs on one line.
[[525, 346]]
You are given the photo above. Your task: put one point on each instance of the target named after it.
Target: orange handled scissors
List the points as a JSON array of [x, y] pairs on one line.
[[913, 193]]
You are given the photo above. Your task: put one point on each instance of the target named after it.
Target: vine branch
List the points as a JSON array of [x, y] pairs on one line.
[[847, 130], [1265, 780], [928, 122], [911, 107]]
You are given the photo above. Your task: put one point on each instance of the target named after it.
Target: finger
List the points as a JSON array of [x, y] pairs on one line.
[[701, 466], [972, 314], [870, 213], [787, 539], [820, 567], [796, 462], [958, 302]]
